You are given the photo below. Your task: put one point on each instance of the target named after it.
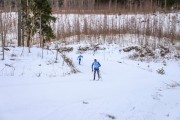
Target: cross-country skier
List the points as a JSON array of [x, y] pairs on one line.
[[79, 58], [95, 67]]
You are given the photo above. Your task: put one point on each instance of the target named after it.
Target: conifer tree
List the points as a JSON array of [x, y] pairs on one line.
[[37, 18], [42, 12]]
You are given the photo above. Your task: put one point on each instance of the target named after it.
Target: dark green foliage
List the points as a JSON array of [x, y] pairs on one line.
[[37, 18], [48, 33], [43, 17]]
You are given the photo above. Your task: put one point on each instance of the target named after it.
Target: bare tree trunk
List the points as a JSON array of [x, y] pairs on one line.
[[141, 5], [165, 4], [130, 5], [2, 34], [28, 39], [110, 5], [5, 24], [19, 23], [3, 43], [22, 36], [151, 5], [1, 30], [28, 29], [41, 41], [116, 4]]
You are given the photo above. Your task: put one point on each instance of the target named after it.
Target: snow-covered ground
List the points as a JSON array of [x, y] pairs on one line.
[[32, 88]]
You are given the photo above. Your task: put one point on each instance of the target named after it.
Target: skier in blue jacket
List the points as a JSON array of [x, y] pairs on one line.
[[95, 67], [79, 58]]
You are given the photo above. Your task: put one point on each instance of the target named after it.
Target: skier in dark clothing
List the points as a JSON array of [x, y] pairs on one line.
[[95, 68], [79, 58]]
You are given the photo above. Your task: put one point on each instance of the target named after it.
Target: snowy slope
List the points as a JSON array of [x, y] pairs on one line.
[[32, 88]]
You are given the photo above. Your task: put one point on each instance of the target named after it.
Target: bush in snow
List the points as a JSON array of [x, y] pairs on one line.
[[111, 116], [174, 84], [161, 71]]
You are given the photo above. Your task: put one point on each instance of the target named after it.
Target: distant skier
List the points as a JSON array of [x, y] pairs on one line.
[[79, 58], [95, 67]]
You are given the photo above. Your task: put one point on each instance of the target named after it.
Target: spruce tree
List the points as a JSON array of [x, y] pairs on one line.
[[43, 17], [37, 18]]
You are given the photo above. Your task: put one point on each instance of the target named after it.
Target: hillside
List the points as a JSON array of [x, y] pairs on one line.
[[32, 88]]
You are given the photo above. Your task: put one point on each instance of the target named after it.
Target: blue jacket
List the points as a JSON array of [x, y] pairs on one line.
[[96, 65], [79, 57]]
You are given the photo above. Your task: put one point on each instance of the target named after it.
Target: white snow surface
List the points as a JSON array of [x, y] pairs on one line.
[[32, 88]]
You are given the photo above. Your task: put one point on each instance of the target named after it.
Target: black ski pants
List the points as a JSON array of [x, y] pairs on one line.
[[96, 70]]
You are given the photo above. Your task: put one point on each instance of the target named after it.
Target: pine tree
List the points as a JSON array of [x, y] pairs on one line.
[[43, 17], [37, 18]]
